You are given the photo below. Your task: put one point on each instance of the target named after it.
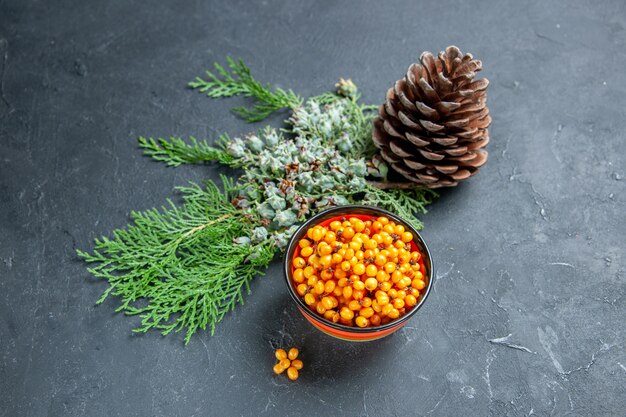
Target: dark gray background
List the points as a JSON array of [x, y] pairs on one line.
[[533, 246]]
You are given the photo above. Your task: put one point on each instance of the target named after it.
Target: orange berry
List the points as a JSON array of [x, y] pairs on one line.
[[358, 269], [371, 283], [327, 303], [382, 276], [298, 275], [398, 303], [299, 262], [292, 373], [396, 276], [366, 312], [319, 307], [302, 289], [383, 220], [406, 237], [346, 313], [335, 225], [297, 364], [309, 299], [385, 286], [285, 363], [362, 321], [366, 302], [319, 288], [375, 320], [330, 237], [309, 271], [390, 267], [410, 300], [317, 234], [336, 258], [304, 243], [370, 244], [376, 307], [354, 305], [358, 285], [418, 284], [389, 228], [377, 226], [278, 369], [326, 260], [387, 309], [347, 291], [348, 233], [371, 270], [393, 314], [293, 353], [280, 354], [358, 294], [306, 252], [312, 280]]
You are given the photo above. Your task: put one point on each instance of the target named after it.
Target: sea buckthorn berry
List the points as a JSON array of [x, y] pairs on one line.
[[326, 260], [336, 258], [406, 237], [299, 262], [306, 252], [390, 267], [376, 307], [349, 254], [293, 353], [354, 305], [348, 233], [370, 244], [359, 269], [371, 270], [353, 261], [383, 299], [346, 313], [383, 220], [410, 300], [358, 294], [330, 237], [382, 276], [319, 288], [312, 280], [371, 283], [385, 286], [326, 274], [298, 275], [347, 291], [377, 226], [380, 259], [399, 244], [342, 282], [359, 255], [297, 364], [285, 363], [375, 320], [328, 314], [292, 373], [304, 243], [317, 235], [362, 321], [389, 228], [319, 307], [359, 225], [387, 309], [309, 271], [358, 285], [278, 369], [280, 354], [393, 314], [338, 292], [335, 225], [345, 266], [419, 275], [415, 256], [302, 289], [398, 303], [355, 245], [404, 256], [366, 312], [327, 303], [310, 299], [366, 302], [396, 276], [324, 249], [329, 286], [418, 284]]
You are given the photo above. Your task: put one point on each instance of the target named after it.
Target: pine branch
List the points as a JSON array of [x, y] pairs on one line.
[[175, 151], [240, 82], [178, 268], [404, 203]]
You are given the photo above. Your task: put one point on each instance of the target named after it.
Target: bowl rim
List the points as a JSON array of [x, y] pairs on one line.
[[350, 209]]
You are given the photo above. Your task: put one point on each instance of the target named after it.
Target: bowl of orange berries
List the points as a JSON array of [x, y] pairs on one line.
[[358, 273]]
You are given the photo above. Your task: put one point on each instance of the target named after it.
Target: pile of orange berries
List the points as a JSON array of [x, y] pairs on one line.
[[359, 272], [288, 361]]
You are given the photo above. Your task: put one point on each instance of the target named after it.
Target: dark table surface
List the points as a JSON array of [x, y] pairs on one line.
[[533, 247]]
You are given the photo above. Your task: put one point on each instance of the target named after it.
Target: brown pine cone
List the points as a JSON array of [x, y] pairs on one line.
[[432, 127]]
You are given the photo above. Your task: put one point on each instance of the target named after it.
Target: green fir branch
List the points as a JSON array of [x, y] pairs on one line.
[[240, 82], [175, 151], [178, 268]]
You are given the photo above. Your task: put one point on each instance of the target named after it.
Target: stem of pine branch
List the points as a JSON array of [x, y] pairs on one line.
[[384, 185]]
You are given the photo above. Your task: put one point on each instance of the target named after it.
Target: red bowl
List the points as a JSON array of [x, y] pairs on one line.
[[340, 331]]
